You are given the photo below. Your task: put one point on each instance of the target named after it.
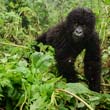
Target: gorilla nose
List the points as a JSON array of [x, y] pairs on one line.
[[79, 30]]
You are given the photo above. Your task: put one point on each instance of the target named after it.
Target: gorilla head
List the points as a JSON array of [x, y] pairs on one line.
[[80, 23]]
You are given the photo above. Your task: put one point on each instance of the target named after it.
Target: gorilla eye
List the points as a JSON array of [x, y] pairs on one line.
[[76, 24]]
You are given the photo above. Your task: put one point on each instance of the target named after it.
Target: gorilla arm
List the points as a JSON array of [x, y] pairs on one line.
[[92, 63], [42, 38], [53, 35]]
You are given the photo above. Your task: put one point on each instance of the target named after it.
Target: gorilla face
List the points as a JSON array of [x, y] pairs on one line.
[[78, 33]]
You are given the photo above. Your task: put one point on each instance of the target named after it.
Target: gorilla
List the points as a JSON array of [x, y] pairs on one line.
[[69, 38]]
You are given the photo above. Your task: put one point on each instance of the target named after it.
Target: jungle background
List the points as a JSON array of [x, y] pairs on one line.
[[28, 79]]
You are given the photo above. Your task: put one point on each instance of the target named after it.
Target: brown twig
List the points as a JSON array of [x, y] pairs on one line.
[[74, 95]]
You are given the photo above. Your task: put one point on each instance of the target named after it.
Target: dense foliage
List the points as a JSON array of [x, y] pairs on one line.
[[29, 79]]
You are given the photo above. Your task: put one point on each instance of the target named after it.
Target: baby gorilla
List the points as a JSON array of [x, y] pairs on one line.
[[69, 38]]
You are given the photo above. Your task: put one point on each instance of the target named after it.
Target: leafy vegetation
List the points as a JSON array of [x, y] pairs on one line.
[[29, 79]]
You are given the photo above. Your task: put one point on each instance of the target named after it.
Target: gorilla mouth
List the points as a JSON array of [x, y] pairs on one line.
[[77, 37]]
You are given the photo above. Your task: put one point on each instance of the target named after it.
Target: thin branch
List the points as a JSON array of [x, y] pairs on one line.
[[25, 98], [12, 44], [107, 85], [74, 95]]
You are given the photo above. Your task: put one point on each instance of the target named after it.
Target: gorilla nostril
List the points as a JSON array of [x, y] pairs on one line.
[[79, 32]]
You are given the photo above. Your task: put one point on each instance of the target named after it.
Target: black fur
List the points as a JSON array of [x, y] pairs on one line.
[[67, 48]]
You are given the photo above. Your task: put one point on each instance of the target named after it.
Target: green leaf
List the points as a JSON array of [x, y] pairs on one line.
[[21, 100], [107, 2], [77, 88], [41, 61]]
